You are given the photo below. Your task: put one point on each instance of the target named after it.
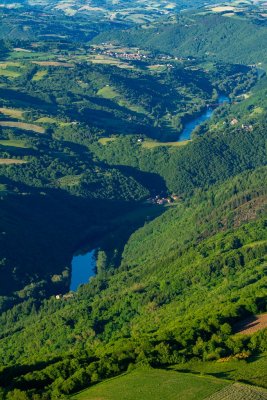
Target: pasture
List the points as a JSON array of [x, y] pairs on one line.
[[149, 384], [14, 143], [12, 112], [107, 92], [39, 75], [99, 59], [10, 161], [23, 126], [252, 370], [239, 392], [152, 144], [105, 141]]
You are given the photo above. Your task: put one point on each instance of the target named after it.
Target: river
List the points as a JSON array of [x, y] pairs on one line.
[[83, 266], [82, 269], [190, 126]]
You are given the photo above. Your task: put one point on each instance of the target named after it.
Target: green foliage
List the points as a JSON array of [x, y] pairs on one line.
[[199, 36]]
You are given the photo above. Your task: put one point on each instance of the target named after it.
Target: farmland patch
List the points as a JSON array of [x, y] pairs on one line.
[[23, 126]]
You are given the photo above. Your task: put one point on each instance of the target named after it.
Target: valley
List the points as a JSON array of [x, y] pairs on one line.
[[133, 200]]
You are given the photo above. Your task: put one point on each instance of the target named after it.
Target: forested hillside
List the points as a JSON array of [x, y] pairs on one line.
[[138, 135], [212, 36], [161, 306]]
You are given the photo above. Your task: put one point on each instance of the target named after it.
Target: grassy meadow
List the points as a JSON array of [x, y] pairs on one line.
[[153, 385]]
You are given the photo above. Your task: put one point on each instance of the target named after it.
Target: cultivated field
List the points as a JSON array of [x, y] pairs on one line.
[[151, 144], [39, 75], [23, 126], [53, 64], [14, 143], [9, 161], [12, 112], [153, 385], [239, 392]]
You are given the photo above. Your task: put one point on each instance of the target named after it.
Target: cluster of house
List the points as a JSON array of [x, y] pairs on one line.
[[66, 296], [135, 56], [160, 200], [245, 127]]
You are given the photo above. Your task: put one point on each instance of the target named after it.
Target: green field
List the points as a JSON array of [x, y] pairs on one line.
[[237, 391], [151, 144], [105, 141], [39, 75], [107, 92], [14, 143], [252, 371], [12, 112], [23, 126], [146, 384]]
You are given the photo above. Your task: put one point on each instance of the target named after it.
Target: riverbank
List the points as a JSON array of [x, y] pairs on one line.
[[205, 116]]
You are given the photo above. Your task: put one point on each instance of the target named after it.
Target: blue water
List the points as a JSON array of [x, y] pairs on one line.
[[190, 126], [82, 269]]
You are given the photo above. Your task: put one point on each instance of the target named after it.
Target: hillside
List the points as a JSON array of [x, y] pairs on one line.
[[133, 138], [212, 36], [159, 308]]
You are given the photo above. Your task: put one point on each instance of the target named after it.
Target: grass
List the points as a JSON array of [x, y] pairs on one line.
[[47, 120], [222, 9], [148, 384], [12, 112], [251, 371], [105, 141], [151, 144], [14, 143], [53, 64], [99, 59], [9, 161], [22, 125], [9, 73], [237, 391], [69, 180], [132, 107], [39, 75], [107, 92]]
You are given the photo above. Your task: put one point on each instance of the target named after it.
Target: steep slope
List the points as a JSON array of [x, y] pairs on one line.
[[161, 306]]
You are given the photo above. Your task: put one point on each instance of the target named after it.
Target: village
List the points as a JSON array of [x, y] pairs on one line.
[[133, 54], [163, 200]]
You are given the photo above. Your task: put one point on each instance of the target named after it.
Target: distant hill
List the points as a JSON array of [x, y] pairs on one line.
[[212, 36]]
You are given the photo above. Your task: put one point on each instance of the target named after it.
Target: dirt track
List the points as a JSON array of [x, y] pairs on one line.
[[252, 324]]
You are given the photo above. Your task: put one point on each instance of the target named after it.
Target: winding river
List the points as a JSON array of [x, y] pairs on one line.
[[83, 266], [190, 126]]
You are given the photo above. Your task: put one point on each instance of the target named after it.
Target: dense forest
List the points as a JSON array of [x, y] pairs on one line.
[[91, 116]]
